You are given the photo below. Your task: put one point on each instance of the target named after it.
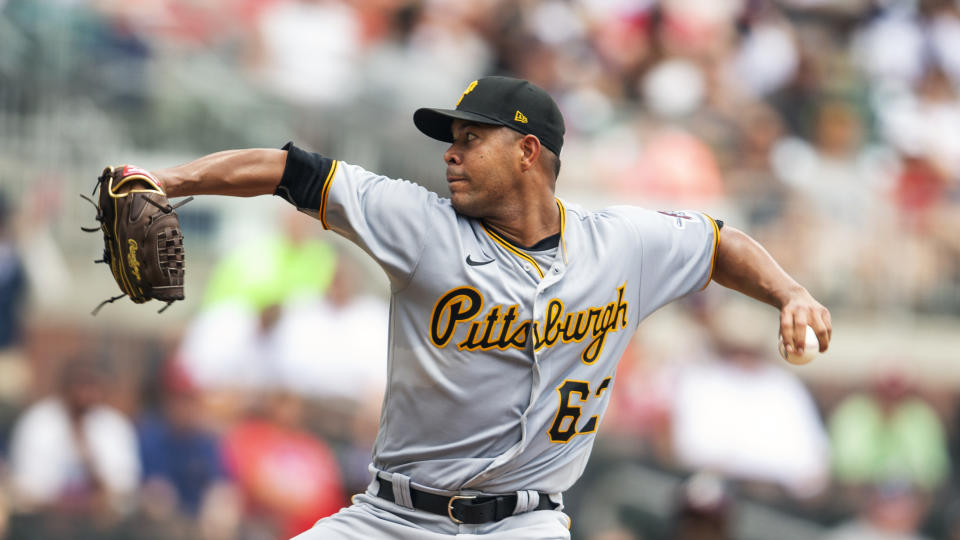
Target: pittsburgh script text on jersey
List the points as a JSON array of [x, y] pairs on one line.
[[464, 304]]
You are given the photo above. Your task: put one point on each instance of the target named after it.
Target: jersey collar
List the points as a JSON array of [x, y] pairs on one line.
[[519, 252]]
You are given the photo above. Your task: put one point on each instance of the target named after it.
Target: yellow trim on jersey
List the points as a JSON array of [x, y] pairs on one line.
[[323, 194], [563, 229], [716, 245], [512, 249]]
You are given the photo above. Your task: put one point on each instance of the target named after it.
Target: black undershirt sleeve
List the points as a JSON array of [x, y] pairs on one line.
[[304, 176]]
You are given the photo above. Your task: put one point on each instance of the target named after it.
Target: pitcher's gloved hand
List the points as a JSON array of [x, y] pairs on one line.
[[141, 233]]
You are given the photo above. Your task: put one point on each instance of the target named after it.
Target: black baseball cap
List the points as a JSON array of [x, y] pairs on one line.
[[515, 103]]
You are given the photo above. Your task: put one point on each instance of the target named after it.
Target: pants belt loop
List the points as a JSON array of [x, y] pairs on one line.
[[374, 485], [401, 490], [557, 499], [527, 500]]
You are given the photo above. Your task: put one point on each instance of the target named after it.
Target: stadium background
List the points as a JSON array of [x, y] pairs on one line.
[[828, 129]]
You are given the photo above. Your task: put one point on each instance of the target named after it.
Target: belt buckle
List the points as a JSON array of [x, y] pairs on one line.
[[450, 506]]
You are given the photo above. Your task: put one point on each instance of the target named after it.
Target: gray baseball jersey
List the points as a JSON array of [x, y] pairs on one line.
[[501, 359]]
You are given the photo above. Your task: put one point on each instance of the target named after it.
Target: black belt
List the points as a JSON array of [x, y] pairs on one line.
[[463, 508]]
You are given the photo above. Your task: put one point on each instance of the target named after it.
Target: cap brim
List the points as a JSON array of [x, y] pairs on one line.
[[435, 123]]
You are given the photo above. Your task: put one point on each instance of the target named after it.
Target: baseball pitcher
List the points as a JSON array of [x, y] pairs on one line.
[[509, 309]]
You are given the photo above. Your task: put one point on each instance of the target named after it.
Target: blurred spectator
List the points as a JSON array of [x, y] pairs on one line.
[[306, 50], [767, 57], [47, 269], [13, 283], [740, 415], [890, 47], [703, 509], [891, 511], [752, 182], [231, 343], [351, 324], [15, 375], [181, 458], [431, 54], [675, 169], [924, 123], [156, 516], [288, 478], [673, 166], [889, 434], [229, 347], [944, 35], [843, 180], [73, 455], [4, 516], [221, 515], [275, 268]]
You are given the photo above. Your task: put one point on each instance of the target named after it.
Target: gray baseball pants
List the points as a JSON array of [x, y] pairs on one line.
[[373, 518]]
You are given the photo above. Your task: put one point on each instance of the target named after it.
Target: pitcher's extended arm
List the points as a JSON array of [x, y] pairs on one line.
[[745, 266], [241, 173]]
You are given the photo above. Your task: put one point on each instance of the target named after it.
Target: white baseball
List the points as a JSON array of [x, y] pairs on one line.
[[811, 349]]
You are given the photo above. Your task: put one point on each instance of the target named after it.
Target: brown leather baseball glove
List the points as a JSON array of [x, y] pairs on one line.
[[141, 233]]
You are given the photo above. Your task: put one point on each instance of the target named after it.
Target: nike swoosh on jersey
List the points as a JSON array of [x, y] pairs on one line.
[[472, 262]]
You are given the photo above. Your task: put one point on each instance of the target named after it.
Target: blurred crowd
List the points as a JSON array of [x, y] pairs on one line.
[[828, 129]]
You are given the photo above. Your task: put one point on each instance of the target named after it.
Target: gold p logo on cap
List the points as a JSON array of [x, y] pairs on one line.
[[467, 91]]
